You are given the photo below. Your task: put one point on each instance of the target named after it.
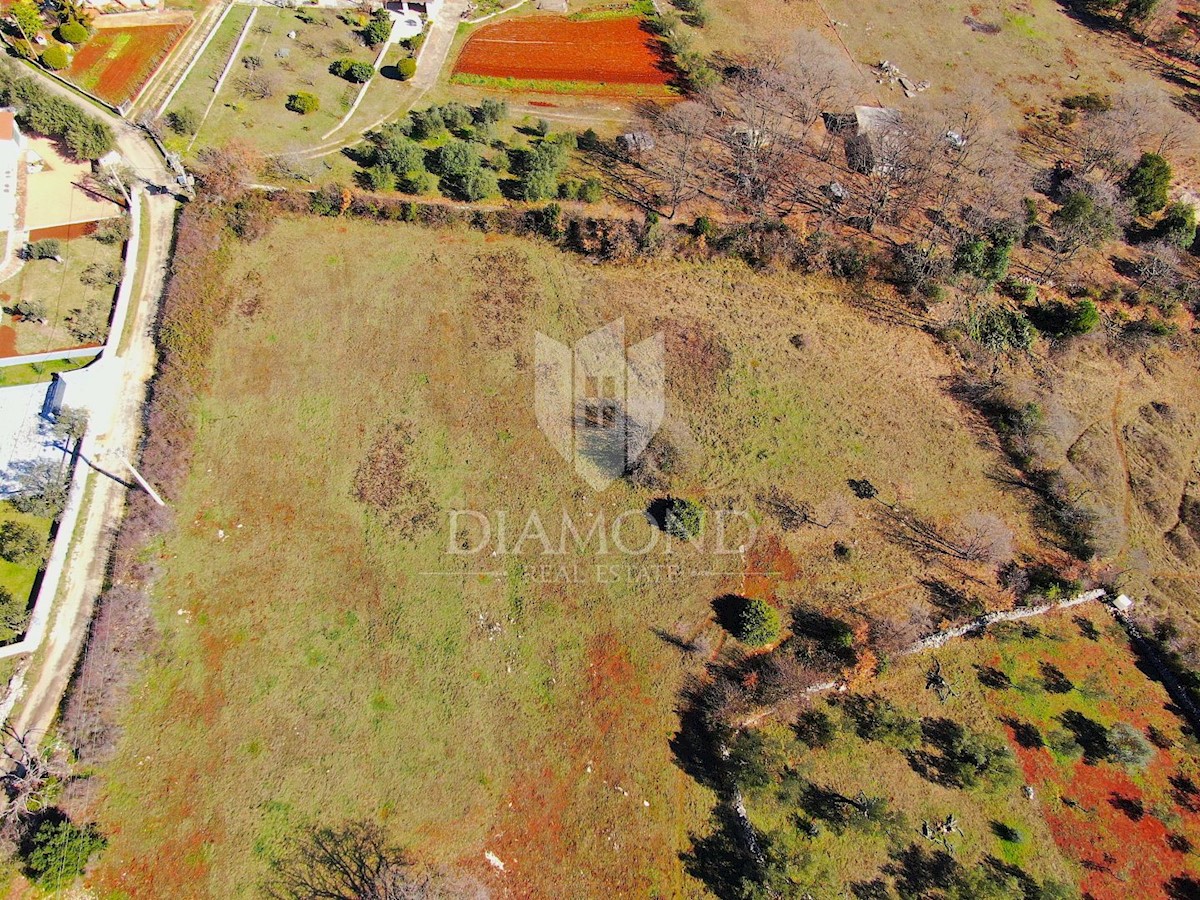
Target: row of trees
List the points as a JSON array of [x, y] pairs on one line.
[[467, 166], [41, 111]]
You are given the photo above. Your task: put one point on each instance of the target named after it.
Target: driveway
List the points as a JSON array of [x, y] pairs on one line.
[[25, 437]]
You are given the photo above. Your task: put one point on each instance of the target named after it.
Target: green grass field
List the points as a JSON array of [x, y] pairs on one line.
[[267, 123], [324, 659], [65, 289], [33, 373], [19, 577]]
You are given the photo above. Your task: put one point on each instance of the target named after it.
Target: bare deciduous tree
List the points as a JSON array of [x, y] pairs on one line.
[[355, 862], [31, 777]]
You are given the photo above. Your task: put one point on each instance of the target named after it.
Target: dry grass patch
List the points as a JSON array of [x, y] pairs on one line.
[[319, 663]]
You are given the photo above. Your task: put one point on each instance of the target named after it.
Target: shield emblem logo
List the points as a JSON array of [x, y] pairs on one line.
[[599, 403]]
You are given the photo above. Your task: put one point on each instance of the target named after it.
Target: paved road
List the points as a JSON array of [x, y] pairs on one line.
[[115, 398]]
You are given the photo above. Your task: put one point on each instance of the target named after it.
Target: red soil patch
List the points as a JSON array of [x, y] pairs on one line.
[[573, 823], [64, 232], [768, 564], [116, 62], [8, 340], [1112, 831], [612, 51]]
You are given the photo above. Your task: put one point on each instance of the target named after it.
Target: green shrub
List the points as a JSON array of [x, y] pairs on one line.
[[478, 184], [591, 191], [878, 719], [427, 123], [47, 248], [112, 231], [682, 518], [33, 310], [1084, 318], [184, 120], [456, 116], [29, 20], [352, 70], [1020, 290], [849, 260], [1000, 329], [1091, 102], [816, 729], [457, 158], [407, 68], [20, 542], [705, 227], [14, 614], [73, 33], [56, 57], [380, 178], [1178, 225], [1128, 746], [379, 29], [986, 258], [60, 852], [1147, 183], [758, 623], [303, 102], [490, 112]]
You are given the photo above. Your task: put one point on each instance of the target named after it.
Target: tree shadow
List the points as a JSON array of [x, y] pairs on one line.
[[920, 870], [1133, 808], [728, 609], [1054, 680], [1026, 734], [1086, 628], [952, 602], [1088, 733], [719, 859], [992, 678]]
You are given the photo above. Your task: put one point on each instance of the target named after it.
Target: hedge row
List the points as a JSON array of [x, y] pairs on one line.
[[123, 631]]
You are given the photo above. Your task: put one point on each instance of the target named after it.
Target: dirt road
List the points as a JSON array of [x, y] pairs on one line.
[[114, 432]]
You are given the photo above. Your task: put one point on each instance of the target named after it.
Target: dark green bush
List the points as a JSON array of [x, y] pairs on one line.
[[184, 120], [47, 248], [1147, 183], [379, 29], [303, 102], [60, 851], [1128, 746], [758, 623], [682, 518], [352, 70], [20, 542], [73, 33], [56, 57]]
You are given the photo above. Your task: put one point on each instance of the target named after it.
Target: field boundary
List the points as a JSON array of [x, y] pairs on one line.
[[237, 45], [49, 356], [187, 70], [162, 63]]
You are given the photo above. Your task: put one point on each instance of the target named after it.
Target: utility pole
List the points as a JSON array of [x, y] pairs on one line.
[[144, 483]]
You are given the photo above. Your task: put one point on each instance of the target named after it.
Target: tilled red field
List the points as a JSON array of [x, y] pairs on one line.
[[116, 62], [612, 51]]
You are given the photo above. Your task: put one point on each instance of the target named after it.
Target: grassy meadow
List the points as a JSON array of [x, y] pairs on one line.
[[18, 577], [325, 657], [267, 124], [75, 287]]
